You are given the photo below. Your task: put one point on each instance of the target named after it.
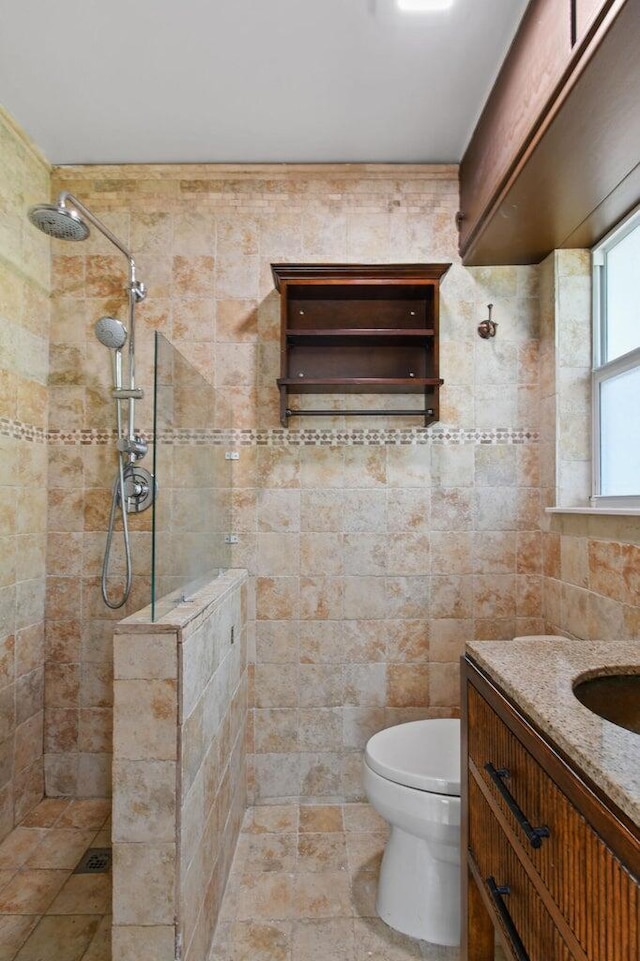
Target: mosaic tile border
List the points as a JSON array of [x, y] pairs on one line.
[[279, 437], [19, 431]]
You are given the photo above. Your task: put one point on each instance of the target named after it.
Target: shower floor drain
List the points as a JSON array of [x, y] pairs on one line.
[[94, 861]]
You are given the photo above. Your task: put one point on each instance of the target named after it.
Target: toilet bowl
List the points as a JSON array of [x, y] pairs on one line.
[[412, 779]]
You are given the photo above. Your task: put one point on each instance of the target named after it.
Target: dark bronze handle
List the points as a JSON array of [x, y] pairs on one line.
[[534, 835], [498, 893]]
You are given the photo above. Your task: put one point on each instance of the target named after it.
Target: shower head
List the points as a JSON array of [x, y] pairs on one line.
[[59, 221], [111, 332]]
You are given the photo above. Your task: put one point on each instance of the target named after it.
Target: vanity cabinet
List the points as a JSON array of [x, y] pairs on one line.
[[551, 863], [553, 160], [353, 328]]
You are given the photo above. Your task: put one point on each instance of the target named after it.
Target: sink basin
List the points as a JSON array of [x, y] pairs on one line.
[[614, 697]]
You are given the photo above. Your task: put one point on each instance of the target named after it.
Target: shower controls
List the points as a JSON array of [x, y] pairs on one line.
[[139, 489]]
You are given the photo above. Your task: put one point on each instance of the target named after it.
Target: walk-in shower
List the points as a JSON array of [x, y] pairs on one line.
[[134, 487]]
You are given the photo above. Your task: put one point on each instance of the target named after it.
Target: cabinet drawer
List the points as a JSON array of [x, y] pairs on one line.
[[521, 912], [592, 890]]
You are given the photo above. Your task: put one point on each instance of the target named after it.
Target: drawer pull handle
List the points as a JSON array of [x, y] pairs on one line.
[[534, 835], [498, 895]]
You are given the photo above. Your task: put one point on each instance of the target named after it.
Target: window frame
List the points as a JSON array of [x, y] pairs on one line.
[[604, 371]]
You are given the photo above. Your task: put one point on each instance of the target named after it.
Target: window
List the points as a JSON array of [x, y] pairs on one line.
[[616, 368]]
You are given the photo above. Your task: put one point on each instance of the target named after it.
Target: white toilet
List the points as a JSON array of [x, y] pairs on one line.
[[412, 778]]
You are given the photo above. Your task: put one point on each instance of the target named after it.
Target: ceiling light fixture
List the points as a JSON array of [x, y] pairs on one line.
[[423, 6]]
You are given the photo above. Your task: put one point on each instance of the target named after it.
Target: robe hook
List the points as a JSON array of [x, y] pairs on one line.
[[487, 328]]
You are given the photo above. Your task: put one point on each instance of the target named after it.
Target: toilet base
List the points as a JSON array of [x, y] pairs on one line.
[[417, 894]]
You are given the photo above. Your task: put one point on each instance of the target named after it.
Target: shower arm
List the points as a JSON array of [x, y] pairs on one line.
[[86, 213], [136, 289]]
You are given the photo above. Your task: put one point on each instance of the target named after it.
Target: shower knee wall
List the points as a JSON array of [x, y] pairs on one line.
[[179, 769]]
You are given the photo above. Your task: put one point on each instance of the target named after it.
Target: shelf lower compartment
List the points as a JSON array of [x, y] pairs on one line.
[[428, 388]]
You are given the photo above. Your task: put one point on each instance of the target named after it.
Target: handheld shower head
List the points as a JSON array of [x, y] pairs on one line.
[[58, 221], [111, 332]]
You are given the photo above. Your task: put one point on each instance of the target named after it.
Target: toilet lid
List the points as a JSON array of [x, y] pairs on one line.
[[419, 754]]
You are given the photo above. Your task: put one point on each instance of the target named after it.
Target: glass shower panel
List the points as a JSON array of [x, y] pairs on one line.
[[192, 511]]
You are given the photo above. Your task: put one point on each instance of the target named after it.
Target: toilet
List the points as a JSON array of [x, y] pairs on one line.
[[412, 779]]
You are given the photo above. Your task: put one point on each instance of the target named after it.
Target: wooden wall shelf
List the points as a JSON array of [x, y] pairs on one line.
[[359, 328]]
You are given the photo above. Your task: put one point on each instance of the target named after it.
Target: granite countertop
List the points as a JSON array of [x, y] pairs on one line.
[[538, 672]]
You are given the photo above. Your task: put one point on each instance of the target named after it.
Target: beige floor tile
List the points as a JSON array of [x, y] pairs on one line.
[[19, 845], [324, 895], [222, 947], [266, 895], [61, 848], [46, 813], [5, 877], [271, 819], [84, 894], [88, 813], [270, 852], [31, 891], [260, 941], [322, 852], [326, 917], [375, 941], [364, 890], [14, 931], [321, 817], [323, 940], [59, 939], [100, 946], [364, 853], [230, 907]]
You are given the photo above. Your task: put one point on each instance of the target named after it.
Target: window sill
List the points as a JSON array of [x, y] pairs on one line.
[[599, 511]]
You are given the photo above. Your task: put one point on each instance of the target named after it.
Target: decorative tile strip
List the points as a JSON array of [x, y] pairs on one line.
[[13, 428], [313, 437]]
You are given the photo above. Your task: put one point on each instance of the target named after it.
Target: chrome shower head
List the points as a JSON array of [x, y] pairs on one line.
[[58, 221], [111, 332]]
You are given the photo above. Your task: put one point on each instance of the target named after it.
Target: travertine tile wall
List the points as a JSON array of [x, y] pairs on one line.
[[591, 563], [378, 548], [24, 333], [181, 692]]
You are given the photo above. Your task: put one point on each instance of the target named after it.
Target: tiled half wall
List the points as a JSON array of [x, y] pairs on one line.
[[179, 770]]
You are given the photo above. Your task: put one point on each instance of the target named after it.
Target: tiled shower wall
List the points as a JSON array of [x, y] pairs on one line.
[[24, 334], [378, 548]]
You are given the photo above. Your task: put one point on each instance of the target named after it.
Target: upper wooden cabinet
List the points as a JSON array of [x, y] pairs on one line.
[[554, 159]]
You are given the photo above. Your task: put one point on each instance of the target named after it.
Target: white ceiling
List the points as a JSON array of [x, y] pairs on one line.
[[248, 81]]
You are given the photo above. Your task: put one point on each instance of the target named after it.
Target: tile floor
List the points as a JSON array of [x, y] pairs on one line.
[[302, 888], [47, 913]]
